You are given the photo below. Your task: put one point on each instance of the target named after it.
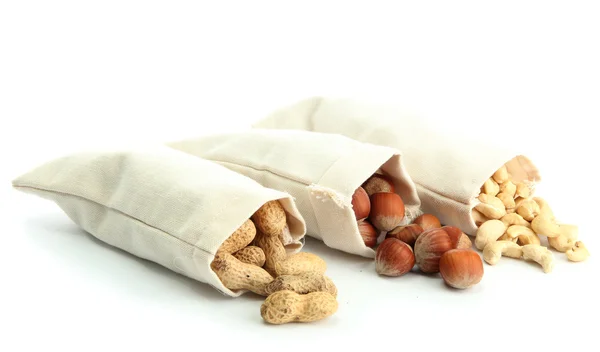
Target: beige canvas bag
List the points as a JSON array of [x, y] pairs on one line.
[[158, 204], [321, 171], [448, 173]]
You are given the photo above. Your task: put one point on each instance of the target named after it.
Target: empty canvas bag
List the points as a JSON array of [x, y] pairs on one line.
[[158, 204], [448, 173], [320, 171]]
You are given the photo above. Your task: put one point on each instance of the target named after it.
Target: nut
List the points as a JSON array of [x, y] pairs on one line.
[[528, 209], [361, 204], [544, 207], [578, 253], [459, 239], [378, 183], [302, 284], [287, 306], [236, 275], [514, 219], [509, 189], [568, 236], [461, 268], [506, 237], [429, 248], [494, 250], [488, 232], [540, 255], [368, 233], [523, 234], [387, 211], [545, 226], [270, 219], [242, 237], [394, 258], [273, 248], [490, 187], [501, 175], [407, 234], [251, 255], [523, 190], [478, 217], [427, 222], [507, 199], [491, 206], [300, 263]]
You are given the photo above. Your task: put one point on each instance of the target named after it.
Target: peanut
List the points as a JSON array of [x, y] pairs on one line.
[[274, 251], [242, 237], [488, 232], [509, 189], [501, 175], [494, 250], [251, 255], [540, 255], [490, 187], [490, 206], [578, 253], [302, 284], [566, 240], [300, 263], [287, 306], [528, 209], [270, 219], [236, 275]]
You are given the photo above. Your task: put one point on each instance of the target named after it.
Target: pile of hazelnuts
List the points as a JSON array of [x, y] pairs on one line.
[[424, 242]]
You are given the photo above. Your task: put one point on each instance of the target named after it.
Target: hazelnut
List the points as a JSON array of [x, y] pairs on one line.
[[368, 233], [394, 258], [459, 239], [387, 211], [429, 248], [361, 204], [428, 221], [378, 183], [407, 234], [461, 268]]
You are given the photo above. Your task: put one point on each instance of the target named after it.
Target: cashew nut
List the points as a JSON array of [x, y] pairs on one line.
[[488, 232], [544, 207], [528, 209], [508, 188], [490, 187], [540, 255], [515, 219], [545, 226], [478, 217], [507, 199], [501, 175], [494, 250], [522, 190], [523, 234], [506, 237], [578, 253], [491, 206], [566, 240]]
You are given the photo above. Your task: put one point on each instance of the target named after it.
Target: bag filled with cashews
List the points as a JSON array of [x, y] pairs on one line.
[[464, 184], [324, 173], [190, 215]]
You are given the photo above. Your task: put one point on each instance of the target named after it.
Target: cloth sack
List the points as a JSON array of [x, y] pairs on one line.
[[158, 204], [448, 173], [321, 171]]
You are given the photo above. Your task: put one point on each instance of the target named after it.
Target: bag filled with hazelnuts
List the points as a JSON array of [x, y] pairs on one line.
[[463, 184], [350, 193], [190, 215]]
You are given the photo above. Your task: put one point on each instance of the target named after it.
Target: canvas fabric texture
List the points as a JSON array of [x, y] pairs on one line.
[[158, 204], [448, 172], [321, 171]]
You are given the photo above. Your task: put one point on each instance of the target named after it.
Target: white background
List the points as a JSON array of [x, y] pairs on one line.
[[83, 74]]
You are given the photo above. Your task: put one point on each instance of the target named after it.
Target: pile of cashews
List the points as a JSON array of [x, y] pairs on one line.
[[511, 221]]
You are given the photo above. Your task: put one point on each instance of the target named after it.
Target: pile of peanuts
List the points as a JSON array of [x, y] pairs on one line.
[[254, 258], [511, 221], [425, 242]]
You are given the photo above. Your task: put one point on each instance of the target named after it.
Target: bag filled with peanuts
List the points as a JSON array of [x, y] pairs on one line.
[[465, 183], [190, 215], [349, 193]]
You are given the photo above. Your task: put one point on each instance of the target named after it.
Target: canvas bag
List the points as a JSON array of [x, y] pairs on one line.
[[448, 174], [158, 204], [320, 171]]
